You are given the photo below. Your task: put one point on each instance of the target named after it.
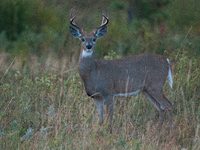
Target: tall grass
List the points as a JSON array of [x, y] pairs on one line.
[[50, 111]]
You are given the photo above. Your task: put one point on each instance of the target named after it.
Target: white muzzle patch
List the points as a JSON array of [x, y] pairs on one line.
[[87, 53]]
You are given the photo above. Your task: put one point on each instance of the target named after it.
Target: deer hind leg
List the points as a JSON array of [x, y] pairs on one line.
[[165, 104], [157, 105], [100, 109], [169, 111]]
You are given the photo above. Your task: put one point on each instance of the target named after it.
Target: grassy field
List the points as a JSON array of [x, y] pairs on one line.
[[51, 111]]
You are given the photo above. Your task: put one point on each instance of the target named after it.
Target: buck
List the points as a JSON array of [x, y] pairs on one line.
[[126, 76]]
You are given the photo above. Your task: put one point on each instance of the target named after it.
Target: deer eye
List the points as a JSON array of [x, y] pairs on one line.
[[83, 39], [93, 39]]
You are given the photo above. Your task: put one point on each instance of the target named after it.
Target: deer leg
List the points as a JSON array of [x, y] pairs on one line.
[[157, 105], [165, 104], [168, 106], [109, 111], [100, 109], [170, 112], [161, 119]]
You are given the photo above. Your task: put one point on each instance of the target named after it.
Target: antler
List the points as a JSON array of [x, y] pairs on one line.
[[72, 22], [106, 17]]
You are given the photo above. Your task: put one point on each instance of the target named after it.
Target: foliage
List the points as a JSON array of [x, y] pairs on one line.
[[184, 13], [40, 26], [149, 9], [27, 25], [17, 16]]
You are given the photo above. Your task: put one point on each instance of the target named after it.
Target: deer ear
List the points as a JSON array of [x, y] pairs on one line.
[[75, 32], [101, 31]]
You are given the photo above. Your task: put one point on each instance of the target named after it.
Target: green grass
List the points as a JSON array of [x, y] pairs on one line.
[[50, 111]]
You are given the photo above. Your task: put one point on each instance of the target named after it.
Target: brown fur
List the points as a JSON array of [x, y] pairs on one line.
[[104, 79]]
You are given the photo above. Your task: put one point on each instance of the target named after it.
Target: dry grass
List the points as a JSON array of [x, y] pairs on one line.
[[50, 111]]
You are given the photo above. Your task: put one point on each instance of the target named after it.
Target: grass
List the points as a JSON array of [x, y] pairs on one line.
[[51, 111]]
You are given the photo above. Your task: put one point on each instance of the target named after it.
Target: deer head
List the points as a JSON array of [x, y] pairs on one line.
[[88, 39]]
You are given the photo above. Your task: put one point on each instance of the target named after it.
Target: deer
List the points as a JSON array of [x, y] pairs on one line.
[[103, 80]]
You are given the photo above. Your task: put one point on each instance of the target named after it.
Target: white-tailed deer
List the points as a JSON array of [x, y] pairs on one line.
[[126, 76]]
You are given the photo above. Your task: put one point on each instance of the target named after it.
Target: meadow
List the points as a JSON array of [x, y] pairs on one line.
[[42, 102]]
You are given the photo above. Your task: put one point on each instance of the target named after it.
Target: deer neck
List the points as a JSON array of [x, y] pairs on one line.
[[87, 64]]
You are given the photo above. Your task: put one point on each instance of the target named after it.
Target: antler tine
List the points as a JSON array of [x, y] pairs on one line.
[[106, 17], [72, 17], [102, 18], [72, 22], [83, 27]]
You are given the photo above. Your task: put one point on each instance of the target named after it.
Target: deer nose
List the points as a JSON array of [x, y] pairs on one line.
[[89, 46]]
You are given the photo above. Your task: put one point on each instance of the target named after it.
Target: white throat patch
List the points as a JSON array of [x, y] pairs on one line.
[[87, 54]]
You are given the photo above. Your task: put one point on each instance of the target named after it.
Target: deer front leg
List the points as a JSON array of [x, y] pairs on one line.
[[100, 109], [109, 111]]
